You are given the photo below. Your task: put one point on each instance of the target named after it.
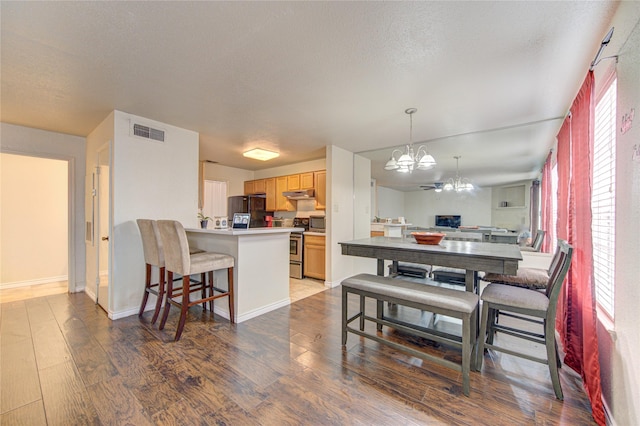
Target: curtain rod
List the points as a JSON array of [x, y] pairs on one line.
[[605, 42]]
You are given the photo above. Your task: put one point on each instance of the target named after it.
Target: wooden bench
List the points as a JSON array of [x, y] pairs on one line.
[[444, 301]]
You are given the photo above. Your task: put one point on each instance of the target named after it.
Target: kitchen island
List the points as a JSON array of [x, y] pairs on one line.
[[261, 272]]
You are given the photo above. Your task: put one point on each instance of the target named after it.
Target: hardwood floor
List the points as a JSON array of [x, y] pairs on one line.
[[64, 362]]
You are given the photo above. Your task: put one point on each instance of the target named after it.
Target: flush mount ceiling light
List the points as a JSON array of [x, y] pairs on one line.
[[410, 160], [458, 184], [260, 154]]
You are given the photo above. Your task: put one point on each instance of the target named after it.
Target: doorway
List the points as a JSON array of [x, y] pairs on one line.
[[35, 250], [103, 226]]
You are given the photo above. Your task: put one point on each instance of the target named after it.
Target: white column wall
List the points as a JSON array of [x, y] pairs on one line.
[[154, 180], [339, 213]]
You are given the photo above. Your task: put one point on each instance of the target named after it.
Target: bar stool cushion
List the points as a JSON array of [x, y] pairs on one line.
[[515, 297], [533, 278], [208, 261]]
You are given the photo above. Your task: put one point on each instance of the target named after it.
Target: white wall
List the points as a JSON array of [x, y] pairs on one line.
[[391, 203], [34, 225], [101, 137], [291, 169], [362, 210], [514, 218], [233, 176], [150, 179], [619, 351], [421, 207], [340, 216], [40, 143]]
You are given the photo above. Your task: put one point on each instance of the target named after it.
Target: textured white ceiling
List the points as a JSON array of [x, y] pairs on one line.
[[297, 76]]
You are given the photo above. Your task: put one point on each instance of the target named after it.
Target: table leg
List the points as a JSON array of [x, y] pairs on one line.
[[379, 303], [470, 280]]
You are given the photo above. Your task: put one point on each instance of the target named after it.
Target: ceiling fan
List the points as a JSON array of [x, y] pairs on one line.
[[436, 185]]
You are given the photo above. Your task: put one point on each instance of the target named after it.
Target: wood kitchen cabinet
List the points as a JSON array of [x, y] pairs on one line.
[[259, 186], [307, 181], [314, 253], [254, 187], [283, 203], [320, 185], [293, 182], [270, 190], [274, 187], [248, 187]]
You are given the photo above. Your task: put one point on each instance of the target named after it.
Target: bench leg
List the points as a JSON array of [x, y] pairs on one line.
[[466, 351], [361, 313], [483, 335], [379, 312], [474, 337], [345, 295]]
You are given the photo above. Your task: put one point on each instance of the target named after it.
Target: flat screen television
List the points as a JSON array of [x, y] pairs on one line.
[[451, 221]]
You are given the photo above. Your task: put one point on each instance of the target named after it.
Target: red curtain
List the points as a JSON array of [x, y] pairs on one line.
[[576, 317], [547, 207]]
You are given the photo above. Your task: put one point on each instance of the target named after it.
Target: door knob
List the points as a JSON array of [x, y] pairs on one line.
[[105, 238]]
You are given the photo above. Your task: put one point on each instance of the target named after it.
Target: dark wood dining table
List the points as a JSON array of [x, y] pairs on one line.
[[471, 256]]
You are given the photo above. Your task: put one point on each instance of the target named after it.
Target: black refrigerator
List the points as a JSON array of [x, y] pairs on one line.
[[253, 204]]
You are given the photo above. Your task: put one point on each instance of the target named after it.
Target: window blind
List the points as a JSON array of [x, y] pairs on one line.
[[603, 200]]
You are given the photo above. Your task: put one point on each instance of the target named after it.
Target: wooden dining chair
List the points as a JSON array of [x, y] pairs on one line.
[[178, 260], [527, 277], [537, 242], [526, 306]]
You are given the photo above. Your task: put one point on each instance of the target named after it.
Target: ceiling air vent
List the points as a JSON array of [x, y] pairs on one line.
[[148, 132]]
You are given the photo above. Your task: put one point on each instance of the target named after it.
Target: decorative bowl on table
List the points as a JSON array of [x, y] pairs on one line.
[[431, 238]]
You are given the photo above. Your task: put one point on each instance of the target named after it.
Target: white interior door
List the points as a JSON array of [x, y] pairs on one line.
[[103, 227]]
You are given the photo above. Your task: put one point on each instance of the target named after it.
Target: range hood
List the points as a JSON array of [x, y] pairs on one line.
[[305, 194]]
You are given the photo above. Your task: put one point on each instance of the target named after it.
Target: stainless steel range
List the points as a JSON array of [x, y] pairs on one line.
[[295, 255], [296, 248]]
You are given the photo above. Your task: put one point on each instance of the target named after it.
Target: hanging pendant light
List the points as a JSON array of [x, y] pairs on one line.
[[458, 184], [410, 160]]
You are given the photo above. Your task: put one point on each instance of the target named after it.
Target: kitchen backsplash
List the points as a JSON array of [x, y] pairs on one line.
[[305, 208]]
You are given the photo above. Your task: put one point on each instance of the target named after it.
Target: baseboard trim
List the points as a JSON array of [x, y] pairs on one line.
[[224, 313], [90, 293], [257, 312], [27, 283], [123, 314]]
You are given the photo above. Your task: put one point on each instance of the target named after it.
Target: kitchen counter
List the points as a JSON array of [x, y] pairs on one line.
[[250, 231], [261, 271], [390, 229]]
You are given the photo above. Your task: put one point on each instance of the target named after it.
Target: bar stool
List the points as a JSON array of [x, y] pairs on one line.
[[178, 260], [154, 257]]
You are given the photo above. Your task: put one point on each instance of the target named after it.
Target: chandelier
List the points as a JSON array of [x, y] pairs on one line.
[[457, 184], [409, 160]]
